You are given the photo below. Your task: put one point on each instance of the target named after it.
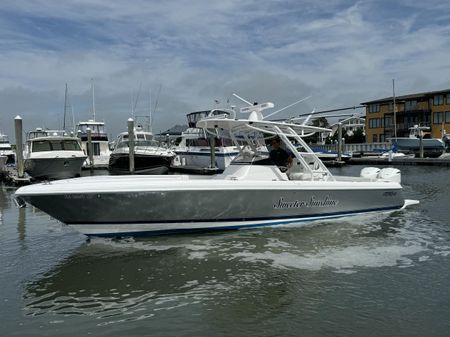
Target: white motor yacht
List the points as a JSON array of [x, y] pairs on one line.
[[149, 156], [251, 192], [50, 154], [99, 141], [194, 149], [6, 149]]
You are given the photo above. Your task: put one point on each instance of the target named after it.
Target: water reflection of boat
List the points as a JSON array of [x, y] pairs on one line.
[[251, 192]]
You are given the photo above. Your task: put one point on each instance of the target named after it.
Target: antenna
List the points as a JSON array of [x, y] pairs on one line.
[[309, 117], [65, 108], [150, 109], [157, 99], [93, 98], [243, 100], [395, 108], [137, 96], [286, 107]]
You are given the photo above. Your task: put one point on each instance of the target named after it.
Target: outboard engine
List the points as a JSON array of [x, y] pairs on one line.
[[391, 174], [370, 172]]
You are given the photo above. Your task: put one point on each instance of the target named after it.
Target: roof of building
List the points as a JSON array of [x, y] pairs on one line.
[[407, 97]]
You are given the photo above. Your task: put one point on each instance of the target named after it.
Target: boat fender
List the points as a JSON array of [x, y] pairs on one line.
[[391, 174], [370, 172]]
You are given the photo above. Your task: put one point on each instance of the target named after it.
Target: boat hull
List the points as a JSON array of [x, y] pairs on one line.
[[119, 163], [414, 143], [54, 168], [213, 208]]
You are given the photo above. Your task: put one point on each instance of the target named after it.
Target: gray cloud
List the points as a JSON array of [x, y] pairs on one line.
[[340, 52]]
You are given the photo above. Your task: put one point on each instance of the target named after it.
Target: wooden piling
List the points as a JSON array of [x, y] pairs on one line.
[[131, 144], [90, 149], [19, 146], [212, 144]]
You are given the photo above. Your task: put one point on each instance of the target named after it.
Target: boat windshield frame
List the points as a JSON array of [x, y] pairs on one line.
[[51, 144], [290, 134]]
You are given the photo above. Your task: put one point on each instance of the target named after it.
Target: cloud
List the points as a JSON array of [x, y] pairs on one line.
[[340, 52]]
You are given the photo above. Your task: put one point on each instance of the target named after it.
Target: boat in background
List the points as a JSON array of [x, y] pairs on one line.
[[99, 141], [432, 147], [149, 156], [6, 149], [251, 192], [51, 154], [194, 149]]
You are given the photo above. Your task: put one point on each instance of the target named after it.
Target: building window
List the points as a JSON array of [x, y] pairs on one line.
[[375, 123], [388, 121], [382, 138], [448, 99], [410, 105], [374, 108], [438, 100], [447, 117], [374, 138], [438, 117]]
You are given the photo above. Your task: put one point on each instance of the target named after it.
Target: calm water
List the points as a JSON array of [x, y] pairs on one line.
[[384, 275]]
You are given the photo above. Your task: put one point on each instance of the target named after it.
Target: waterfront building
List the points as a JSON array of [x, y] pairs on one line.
[[431, 109]]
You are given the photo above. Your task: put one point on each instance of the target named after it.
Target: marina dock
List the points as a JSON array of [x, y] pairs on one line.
[[400, 161]]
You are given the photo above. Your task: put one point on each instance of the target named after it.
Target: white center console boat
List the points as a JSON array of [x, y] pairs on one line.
[[251, 192]]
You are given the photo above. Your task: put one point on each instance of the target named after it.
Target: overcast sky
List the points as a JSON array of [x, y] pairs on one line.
[[339, 52]]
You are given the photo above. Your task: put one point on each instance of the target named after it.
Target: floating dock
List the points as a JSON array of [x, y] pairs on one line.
[[400, 161]]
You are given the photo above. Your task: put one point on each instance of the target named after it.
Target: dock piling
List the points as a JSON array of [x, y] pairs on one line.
[[19, 146], [339, 151], [212, 144], [131, 144], [90, 149]]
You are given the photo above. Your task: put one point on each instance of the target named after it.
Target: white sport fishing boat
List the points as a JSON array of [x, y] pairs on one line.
[[251, 192], [51, 154], [432, 147], [194, 149], [6, 149]]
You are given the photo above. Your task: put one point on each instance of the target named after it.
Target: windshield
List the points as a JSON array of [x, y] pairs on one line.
[[139, 142], [55, 145]]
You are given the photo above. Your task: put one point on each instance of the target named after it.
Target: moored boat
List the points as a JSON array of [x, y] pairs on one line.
[[99, 141], [50, 154], [194, 149], [432, 147], [149, 156], [6, 149]]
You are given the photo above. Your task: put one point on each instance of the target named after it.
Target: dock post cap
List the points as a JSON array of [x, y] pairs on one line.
[[18, 117], [130, 120]]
